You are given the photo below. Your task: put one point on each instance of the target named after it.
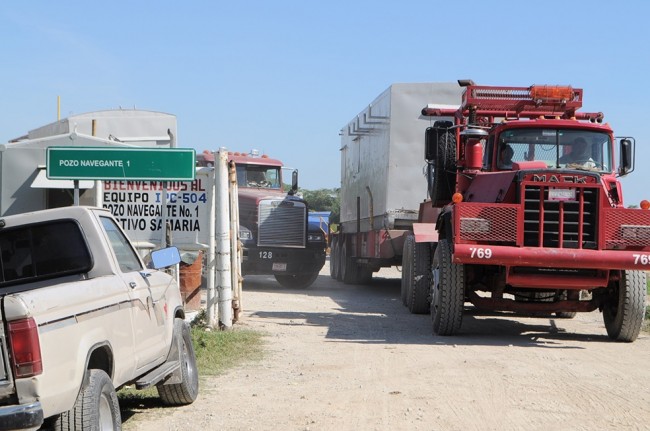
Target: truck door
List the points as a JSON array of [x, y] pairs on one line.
[[148, 301]]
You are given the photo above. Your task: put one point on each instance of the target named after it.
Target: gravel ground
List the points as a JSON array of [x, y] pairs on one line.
[[352, 358]]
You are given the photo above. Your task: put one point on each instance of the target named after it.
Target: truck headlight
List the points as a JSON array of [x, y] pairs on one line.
[[474, 225], [635, 232], [315, 237], [245, 234]]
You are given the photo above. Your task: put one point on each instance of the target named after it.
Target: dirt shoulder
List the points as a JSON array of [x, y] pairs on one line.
[[353, 358]]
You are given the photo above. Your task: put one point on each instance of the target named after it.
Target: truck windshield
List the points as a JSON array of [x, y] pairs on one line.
[[258, 176], [557, 148]]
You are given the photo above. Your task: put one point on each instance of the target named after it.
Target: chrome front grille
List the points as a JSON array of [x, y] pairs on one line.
[[282, 223]]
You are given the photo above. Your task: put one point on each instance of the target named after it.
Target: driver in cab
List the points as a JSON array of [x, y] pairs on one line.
[[580, 155], [257, 178]]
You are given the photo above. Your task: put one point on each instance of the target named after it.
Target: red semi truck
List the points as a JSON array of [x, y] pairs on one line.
[[525, 213], [274, 231], [531, 210]]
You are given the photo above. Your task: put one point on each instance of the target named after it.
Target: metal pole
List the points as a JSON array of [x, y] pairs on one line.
[[212, 244], [99, 188], [76, 193], [163, 221], [224, 286], [235, 278]]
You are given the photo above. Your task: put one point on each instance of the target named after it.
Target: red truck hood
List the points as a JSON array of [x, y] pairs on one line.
[[254, 195]]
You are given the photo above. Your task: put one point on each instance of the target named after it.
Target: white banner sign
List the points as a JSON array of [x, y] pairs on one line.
[[137, 205]]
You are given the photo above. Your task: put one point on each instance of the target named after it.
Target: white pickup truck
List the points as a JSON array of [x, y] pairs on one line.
[[82, 316]]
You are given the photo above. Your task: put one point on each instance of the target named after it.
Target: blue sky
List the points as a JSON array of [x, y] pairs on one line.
[[285, 76]]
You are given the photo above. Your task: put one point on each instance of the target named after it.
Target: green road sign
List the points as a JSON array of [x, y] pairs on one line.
[[108, 163]]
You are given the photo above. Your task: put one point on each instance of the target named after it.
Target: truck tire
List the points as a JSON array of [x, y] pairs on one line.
[[185, 392], [565, 314], [441, 173], [448, 291], [420, 278], [407, 277], [364, 275], [339, 269], [624, 311], [96, 407], [296, 281], [334, 258], [345, 267], [350, 271]]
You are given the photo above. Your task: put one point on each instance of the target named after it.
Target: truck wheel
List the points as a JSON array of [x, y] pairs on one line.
[[339, 266], [441, 174], [624, 311], [448, 291], [407, 277], [185, 392], [296, 281], [96, 407], [334, 258], [565, 314], [420, 277], [348, 274], [364, 275]]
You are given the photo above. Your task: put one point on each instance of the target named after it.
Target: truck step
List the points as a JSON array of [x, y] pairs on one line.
[[156, 375]]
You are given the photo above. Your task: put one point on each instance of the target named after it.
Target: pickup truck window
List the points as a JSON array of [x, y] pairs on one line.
[[127, 259], [42, 251]]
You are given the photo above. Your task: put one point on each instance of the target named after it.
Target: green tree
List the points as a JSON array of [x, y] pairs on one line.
[[324, 200]]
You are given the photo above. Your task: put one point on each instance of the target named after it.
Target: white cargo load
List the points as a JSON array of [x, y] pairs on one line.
[[382, 156]]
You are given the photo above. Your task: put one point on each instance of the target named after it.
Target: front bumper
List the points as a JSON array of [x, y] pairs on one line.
[[21, 417], [550, 257], [273, 260]]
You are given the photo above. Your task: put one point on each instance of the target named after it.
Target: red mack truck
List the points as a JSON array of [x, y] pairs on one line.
[[522, 209], [526, 211]]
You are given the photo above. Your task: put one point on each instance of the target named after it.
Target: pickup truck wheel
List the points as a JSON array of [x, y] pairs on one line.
[[187, 390], [96, 407], [296, 281], [448, 291], [421, 277], [624, 311]]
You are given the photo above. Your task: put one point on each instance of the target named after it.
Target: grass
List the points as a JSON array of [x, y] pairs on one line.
[[216, 352]]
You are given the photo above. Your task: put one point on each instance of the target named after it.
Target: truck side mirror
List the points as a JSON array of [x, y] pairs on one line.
[[165, 257], [294, 181], [627, 156], [430, 143]]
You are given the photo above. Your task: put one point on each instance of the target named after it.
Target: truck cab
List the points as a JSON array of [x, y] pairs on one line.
[[274, 231], [530, 211]]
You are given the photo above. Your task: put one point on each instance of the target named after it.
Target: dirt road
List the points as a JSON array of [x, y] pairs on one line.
[[353, 358]]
